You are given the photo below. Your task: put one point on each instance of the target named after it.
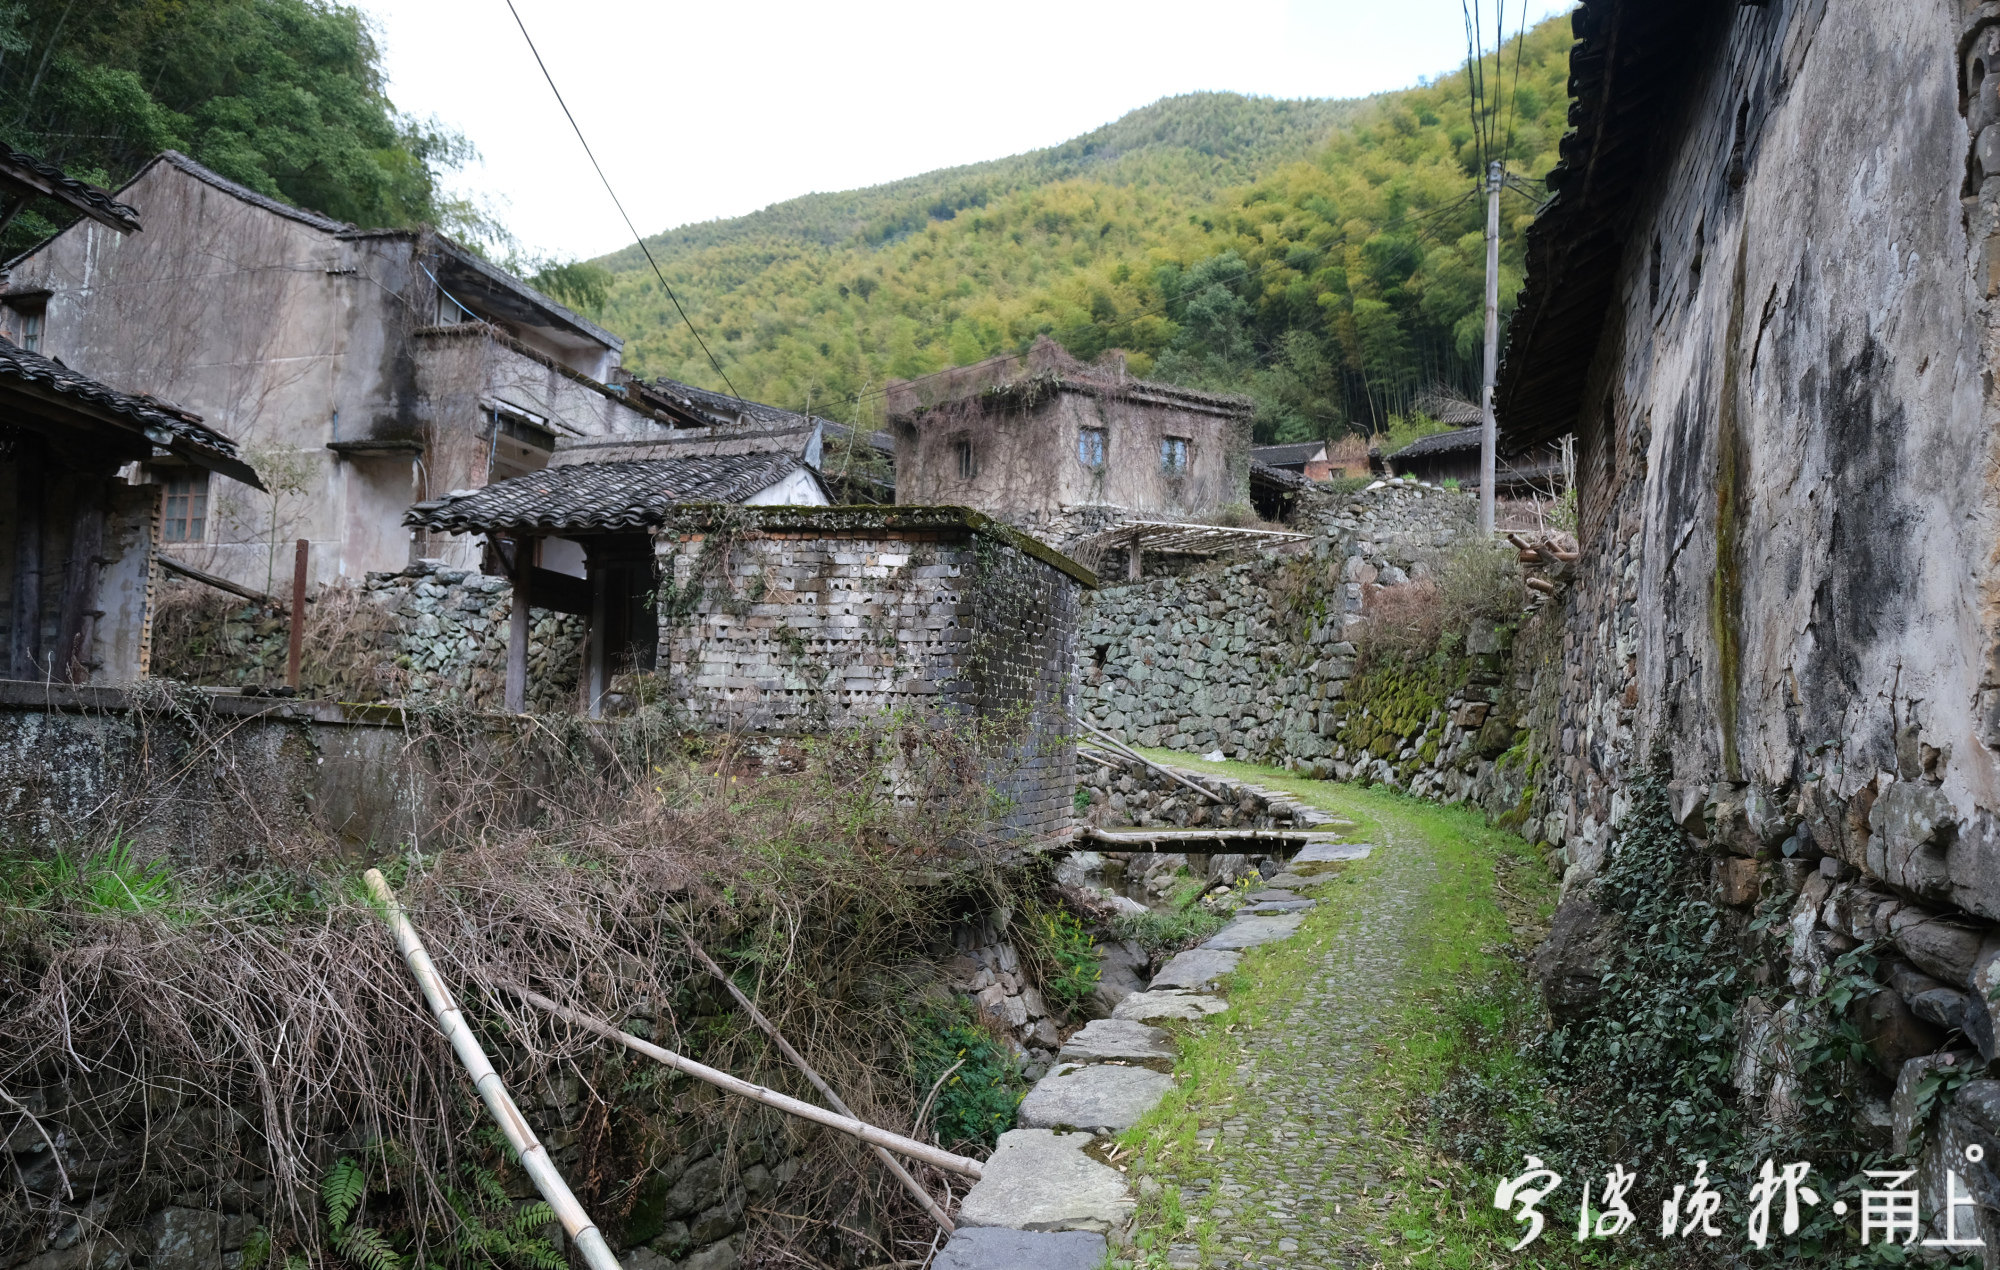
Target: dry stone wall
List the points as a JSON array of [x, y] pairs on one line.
[[429, 632], [1253, 660]]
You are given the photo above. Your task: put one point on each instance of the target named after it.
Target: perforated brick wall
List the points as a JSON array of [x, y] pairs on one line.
[[794, 621]]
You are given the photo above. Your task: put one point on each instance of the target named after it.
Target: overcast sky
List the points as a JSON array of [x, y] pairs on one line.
[[709, 110]]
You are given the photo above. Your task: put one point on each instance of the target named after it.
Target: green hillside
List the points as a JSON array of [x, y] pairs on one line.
[[1321, 255]]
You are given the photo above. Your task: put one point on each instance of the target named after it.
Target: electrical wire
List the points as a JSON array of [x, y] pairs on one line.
[[636, 236], [1472, 85], [1514, 93]]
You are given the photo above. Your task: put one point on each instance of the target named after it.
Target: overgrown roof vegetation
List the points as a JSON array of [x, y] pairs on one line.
[[1322, 256], [283, 96]]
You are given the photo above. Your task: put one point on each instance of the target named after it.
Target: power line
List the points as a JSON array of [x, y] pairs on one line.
[[636, 237], [1514, 93], [1472, 84]]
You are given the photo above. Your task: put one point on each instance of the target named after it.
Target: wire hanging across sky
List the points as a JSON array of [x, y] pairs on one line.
[[636, 237]]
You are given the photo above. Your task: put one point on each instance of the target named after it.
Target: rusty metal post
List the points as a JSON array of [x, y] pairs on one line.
[[298, 619]]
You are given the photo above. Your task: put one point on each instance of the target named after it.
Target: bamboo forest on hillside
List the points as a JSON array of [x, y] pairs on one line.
[[1326, 258]]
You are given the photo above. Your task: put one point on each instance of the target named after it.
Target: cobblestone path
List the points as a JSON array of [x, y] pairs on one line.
[[1303, 1165]]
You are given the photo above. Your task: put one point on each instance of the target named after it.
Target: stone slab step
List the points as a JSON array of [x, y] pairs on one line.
[[1272, 895], [1153, 1007], [1253, 932], [1330, 852], [1042, 1180], [997, 1248], [1195, 969], [1266, 908], [1099, 1098], [1119, 1040]]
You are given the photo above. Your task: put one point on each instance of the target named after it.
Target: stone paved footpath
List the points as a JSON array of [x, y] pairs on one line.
[[1299, 1173]]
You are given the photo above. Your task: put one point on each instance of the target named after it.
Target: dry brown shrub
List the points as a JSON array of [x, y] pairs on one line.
[[230, 1039], [209, 637], [1474, 582]]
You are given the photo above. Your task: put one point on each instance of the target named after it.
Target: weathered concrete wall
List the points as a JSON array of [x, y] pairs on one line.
[[798, 620], [1788, 521]]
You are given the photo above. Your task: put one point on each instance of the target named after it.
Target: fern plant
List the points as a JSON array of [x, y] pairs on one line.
[[493, 1231], [367, 1248]]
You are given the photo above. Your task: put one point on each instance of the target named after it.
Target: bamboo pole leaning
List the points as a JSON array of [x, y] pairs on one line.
[[848, 1125], [1117, 746], [770, 1029], [499, 1103]]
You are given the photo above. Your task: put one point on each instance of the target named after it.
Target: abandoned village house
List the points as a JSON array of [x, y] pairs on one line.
[[363, 370], [1062, 450], [77, 575]]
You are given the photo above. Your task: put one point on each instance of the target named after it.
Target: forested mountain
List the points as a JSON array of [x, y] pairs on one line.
[[1326, 257], [284, 96]]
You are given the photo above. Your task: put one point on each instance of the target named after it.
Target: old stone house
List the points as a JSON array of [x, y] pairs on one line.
[[1317, 460], [1062, 450], [1763, 301], [766, 612], [362, 369]]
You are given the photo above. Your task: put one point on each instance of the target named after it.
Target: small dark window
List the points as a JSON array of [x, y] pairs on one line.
[[1174, 455], [25, 316], [1653, 273], [187, 505], [968, 458], [1090, 447]]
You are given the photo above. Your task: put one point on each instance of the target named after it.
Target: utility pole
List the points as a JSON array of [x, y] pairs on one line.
[[1488, 430]]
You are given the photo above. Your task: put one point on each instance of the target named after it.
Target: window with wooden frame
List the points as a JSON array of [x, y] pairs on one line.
[[968, 458], [186, 517], [25, 315], [1174, 455], [1090, 447]]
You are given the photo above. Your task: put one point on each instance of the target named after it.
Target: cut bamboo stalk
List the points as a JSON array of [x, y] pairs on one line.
[[770, 1029], [757, 1093], [534, 1156], [1543, 585], [1117, 746]]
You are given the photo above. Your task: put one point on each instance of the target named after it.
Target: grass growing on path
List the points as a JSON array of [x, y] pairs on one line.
[[1469, 900]]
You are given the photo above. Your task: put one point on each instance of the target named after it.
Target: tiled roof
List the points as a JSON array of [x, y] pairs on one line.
[[164, 425], [1294, 452], [1283, 477], [208, 176], [55, 183], [1439, 443], [633, 494]]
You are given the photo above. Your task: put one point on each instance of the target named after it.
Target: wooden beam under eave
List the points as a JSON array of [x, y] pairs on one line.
[[518, 627], [27, 181]]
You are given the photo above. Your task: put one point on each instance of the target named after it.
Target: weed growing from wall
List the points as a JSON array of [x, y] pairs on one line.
[[978, 1082]]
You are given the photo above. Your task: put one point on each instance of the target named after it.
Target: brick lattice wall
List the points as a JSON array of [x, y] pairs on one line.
[[808, 626]]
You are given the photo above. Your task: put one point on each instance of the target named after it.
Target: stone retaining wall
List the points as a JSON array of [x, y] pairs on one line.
[[429, 632], [1252, 659]]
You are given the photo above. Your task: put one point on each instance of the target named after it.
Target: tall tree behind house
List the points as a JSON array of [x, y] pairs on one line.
[[283, 96]]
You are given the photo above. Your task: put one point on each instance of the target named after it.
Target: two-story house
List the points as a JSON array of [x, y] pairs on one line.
[[360, 370]]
